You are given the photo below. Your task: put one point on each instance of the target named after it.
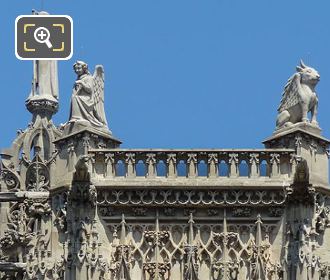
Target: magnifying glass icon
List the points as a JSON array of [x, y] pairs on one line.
[[41, 35]]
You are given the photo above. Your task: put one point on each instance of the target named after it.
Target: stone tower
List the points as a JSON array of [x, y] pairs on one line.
[[74, 205]]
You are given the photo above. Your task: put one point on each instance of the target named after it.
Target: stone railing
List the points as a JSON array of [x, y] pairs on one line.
[[193, 163]]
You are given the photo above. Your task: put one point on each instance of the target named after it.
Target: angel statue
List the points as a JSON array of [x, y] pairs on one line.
[[299, 98], [87, 101]]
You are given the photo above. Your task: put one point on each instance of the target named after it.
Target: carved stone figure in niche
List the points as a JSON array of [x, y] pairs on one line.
[[87, 101], [45, 77], [299, 98], [45, 82]]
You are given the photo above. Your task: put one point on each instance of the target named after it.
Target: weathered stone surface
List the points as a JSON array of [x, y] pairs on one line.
[[87, 101], [309, 146], [299, 98], [74, 205]]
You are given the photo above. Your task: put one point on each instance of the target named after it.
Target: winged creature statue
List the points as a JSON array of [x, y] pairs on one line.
[[87, 101], [299, 98]]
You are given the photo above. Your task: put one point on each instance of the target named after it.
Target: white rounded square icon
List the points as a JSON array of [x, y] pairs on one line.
[[43, 37]]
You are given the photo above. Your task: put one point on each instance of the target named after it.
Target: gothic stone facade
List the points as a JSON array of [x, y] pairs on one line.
[[74, 205]]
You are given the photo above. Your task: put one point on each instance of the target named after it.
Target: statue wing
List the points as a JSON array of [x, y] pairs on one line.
[[290, 96], [98, 94]]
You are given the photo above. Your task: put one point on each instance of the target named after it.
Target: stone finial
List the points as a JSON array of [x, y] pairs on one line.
[[123, 230], [191, 229], [43, 98]]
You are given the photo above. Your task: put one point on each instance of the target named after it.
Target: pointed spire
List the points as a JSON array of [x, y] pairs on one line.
[[191, 229], [38, 145], [225, 235], [122, 253], [42, 101], [259, 266], [157, 253], [258, 234], [157, 222], [123, 230], [225, 229], [115, 237], [191, 269]]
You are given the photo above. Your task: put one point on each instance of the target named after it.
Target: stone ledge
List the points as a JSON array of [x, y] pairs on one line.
[[11, 266], [219, 183], [305, 126], [295, 130], [21, 195], [91, 130]]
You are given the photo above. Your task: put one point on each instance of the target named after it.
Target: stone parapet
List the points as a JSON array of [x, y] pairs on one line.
[[154, 164], [308, 145]]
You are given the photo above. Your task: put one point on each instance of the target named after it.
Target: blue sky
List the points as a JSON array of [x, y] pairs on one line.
[[179, 74]]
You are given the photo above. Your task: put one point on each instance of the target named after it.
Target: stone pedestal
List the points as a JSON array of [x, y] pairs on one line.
[[73, 146], [42, 107], [309, 145]]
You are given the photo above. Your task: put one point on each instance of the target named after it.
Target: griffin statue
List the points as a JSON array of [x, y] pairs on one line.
[[299, 98]]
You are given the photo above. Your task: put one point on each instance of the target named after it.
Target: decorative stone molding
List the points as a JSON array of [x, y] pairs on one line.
[[190, 197], [42, 106], [37, 176], [10, 178]]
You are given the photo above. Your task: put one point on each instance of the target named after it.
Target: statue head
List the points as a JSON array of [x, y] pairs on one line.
[[308, 74], [80, 67], [42, 13]]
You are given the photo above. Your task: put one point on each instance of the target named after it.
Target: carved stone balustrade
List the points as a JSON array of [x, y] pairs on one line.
[[215, 167]]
